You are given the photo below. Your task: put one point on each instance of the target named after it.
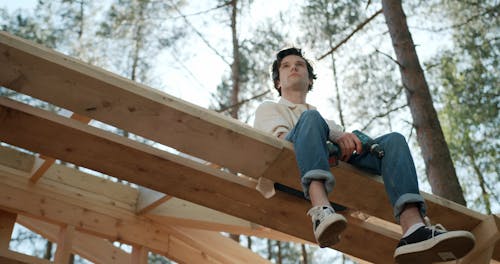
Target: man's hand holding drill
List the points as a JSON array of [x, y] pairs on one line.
[[348, 143]]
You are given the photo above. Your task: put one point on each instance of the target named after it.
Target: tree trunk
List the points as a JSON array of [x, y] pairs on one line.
[[48, 250], [439, 166], [138, 39], [269, 249], [280, 254], [482, 183], [304, 254], [249, 242], [235, 237], [235, 66]]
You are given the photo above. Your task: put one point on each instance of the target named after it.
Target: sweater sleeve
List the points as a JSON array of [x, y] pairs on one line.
[[335, 130], [270, 119]]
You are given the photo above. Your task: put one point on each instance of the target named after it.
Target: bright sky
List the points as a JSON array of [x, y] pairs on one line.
[[206, 68]]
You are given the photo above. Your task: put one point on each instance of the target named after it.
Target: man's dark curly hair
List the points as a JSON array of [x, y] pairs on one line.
[[277, 63]]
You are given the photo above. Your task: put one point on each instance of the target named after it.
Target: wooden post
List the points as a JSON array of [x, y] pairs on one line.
[[140, 255], [7, 221], [64, 245]]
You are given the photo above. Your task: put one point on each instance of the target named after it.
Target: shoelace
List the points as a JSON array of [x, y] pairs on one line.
[[433, 228], [318, 213]]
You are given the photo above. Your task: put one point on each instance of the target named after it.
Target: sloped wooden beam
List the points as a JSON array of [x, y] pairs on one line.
[[90, 91], [40, 171], [188, 180], [12, 257], [139, 255], [48, 161], [16, 160], [239, 254], [149, 200], [175, 212], [101, 95], [56, 205], [182, 213], [7, 222], [92, 248], [487, 235]]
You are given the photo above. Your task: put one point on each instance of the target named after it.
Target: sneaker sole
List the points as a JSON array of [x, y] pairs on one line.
[[449, 246], [330, 230]]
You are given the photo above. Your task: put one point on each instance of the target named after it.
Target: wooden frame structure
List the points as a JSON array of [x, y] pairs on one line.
[[181, 203]]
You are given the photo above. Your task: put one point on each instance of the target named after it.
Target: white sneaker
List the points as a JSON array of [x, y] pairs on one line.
[[327, 225]]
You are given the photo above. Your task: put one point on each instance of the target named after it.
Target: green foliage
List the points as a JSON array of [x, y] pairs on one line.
[[256, 55], [469, 93], [324, 21], [22, 24], [137, 29], [375, 92], [157, 259]]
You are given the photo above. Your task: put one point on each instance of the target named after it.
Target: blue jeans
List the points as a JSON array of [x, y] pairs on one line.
[[309, 137]]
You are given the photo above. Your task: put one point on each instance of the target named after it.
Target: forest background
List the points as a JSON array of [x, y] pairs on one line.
[[217, 54]]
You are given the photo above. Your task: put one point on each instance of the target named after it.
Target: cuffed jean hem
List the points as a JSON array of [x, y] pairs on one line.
[[320, 175], [409, 198]]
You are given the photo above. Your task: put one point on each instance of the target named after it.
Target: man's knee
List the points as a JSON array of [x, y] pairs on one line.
[[311, 116], [396, 138]]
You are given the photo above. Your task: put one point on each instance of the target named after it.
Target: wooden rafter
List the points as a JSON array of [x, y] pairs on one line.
[[92, 92], [12, 257], [95, 149], [40, 170], [95, 249], [7, 221], [149, 199], [175, 212], [58, 205]]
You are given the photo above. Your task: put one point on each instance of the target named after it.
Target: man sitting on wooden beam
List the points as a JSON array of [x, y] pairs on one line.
[[291, 118]]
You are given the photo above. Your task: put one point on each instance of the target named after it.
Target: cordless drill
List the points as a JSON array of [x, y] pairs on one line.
[[367, 144]]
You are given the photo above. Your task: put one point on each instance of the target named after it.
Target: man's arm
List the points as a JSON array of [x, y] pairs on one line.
[[348, 142], [269, 118]]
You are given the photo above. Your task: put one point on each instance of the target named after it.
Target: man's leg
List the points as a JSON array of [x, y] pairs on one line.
[[309, 137], [420, 243]]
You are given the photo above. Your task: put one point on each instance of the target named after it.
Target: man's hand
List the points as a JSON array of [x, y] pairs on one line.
[[348, 143]]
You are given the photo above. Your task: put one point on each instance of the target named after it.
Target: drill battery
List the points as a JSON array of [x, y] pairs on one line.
[[367, 145]]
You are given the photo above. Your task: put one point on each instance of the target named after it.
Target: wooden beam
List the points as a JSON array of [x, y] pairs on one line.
[[6, 260], [237, 254], [139, 255], [12, 257], [90, 91], [31, 69], [64, 245], [150, 199], [92, 248], [487, 235], [40, 171], [7, 222], [182, 213], [167, 173], [116, 224], [16, 159], [175, 212]]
